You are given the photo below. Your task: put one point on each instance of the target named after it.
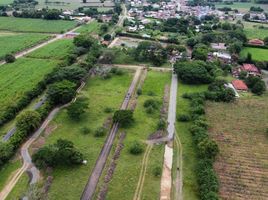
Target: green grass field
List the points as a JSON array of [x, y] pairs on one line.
[[7, 170], [253, 30], [101, 94], [4, 2], [35, 25], [21, 76], [190, 186], [92, 27], [57, 50], [20, 188], [128, 167], [14, 43], [258, 54], [242, 6]]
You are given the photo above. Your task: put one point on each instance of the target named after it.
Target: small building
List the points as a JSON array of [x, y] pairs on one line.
[[240, 85], [256, 42], [218, 46], [251, 69], [224, 57]]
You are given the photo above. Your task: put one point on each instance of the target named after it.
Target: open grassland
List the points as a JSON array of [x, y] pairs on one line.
[[101, 94], [189, 155], [57, 50], [255, 30], [240, 131], [35, 25], [11, 43], [126, 175], [93, 27], [21, 76], [242, 6], [5, 2], [7, 170], [258, 54]]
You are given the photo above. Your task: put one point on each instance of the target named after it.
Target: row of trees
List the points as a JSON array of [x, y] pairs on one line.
[[49, 14], [61, 85]]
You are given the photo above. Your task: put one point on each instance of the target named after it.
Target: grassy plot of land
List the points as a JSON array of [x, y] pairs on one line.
[[242, 6], [7, 170], [101, 94], [255, 30], [35, 25], [126, 175], [258, 54], [13, 43], [190, 186], [58, 50], [92, 27], [240, 130], [21, 76], [5, 2], [20, 188]]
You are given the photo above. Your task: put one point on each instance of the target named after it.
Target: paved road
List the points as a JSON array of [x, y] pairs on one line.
[[121, 19], [27, 160], [11, 132], [97, 171], [166, 179]]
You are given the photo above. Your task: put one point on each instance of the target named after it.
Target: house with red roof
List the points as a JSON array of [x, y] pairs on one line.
[[240, 85], [251, 70], [256, 42]]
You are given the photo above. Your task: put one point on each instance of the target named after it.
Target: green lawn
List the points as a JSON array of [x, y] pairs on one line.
[[92, 27], [253, 30], [21, 76], [128, 167], [190, 186], [4, 2], [258, 54], [56, 50], [14, 43], [35, 25], [101, 94]]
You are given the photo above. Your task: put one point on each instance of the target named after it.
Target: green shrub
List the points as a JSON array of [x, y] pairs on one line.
[[161, 125], [100, 132], [136, 148], [139, 91], [123, 117], [108, 110], [157, 171], [151, 103], [85, 130], [183, 118]]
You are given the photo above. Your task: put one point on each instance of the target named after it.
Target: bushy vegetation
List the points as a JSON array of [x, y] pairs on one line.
[[136, 148], [195, 72], [62, 153], [123, 117], [256, 85], [77, 109]]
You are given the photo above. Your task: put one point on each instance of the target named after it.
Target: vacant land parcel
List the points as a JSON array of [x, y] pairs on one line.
[[240, 131], [34, 25]]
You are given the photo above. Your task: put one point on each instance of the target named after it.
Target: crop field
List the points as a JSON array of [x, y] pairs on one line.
[[126, 175], [92, 27], [258, 54], [240, 131], [57, 50], [35, 25], [189, 155], [101, 94], [14, 43], [21, 76]]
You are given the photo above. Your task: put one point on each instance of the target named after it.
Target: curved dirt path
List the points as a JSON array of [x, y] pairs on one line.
[[27, 160], [144, 165]]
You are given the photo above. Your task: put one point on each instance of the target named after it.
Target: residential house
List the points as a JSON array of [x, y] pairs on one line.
[[240, 85], [256, 42]]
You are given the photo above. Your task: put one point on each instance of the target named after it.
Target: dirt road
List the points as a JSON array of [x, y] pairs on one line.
[[100, 163]]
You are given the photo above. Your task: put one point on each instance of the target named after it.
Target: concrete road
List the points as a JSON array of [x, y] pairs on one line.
[[100, 163], [12, 131]]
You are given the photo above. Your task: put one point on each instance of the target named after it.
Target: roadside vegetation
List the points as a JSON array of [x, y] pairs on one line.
[[124, 182]]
